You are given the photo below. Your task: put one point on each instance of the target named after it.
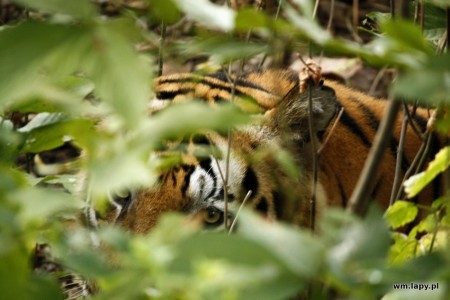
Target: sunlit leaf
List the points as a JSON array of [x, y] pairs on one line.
[[208, 14], [417, 183], [401, 213]]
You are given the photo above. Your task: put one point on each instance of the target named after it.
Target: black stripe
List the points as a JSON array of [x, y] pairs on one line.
[[354, 127], [371, 119], [169, 95], [421, 122], [221, 77], [206, 165], [189, 170], [250, 181], [237, 82], [262, 206]]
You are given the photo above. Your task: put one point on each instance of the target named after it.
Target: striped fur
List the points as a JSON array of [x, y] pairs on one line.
[[196, 186]]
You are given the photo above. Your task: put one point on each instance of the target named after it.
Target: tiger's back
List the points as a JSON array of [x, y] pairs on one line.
[[194, 187]]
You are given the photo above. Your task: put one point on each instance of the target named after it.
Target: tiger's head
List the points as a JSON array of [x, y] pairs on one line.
[[246, 163]]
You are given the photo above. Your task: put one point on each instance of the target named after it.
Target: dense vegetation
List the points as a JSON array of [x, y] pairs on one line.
[[79, 72]]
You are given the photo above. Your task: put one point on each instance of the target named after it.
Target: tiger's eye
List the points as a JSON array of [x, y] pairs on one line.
[[212, 216]]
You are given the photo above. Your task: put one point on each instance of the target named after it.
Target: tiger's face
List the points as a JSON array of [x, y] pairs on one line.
[[200, 187]]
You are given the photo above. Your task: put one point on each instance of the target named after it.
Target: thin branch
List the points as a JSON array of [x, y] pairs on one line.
[[356, 18], [316, 7], [161, 46], [330, 17], [376, 81], [361, 196], [412, 123], [399, 159], [315, 157], [336, 121], [413, 167]]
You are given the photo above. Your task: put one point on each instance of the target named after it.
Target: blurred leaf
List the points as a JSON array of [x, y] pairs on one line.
[[51, 136], [359, 254], [286, 243], [208, 14], [306, 7], [442, 3], [406, 34], [221, 48], [430, 83], [207, 250], [19, 67], [416, 183], [14, 269], [41, 287], [307, 26], [401, 213], [38, 204], [191, 117], [435, 17], [76, 8], [165, 11], [123, 83]]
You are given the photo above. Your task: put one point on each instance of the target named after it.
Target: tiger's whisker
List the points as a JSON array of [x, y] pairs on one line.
[[249, 193]]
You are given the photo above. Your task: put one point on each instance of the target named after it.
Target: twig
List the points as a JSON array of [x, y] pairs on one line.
[[412, 123], [330, 17], [360, 199], [356, 18], [315, 157], [161, 46], [376, 81], [398, 162], [249, 193], [413, 167], [336, 121], [316, 6]]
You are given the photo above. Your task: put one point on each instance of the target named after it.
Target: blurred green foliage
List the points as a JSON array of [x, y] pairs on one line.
[[79, 73]]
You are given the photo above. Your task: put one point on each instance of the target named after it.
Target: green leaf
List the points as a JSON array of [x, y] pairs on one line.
[[222, 49], [39, 204], [418, 182], [20, 67], [406, 34], [208, 14], [286, 243], [51, 136], [307, 26], [122, 78], [164, 10], [214, 256], [76, 8], [401, 213], [429, 83], [442, 3], [191, 117]]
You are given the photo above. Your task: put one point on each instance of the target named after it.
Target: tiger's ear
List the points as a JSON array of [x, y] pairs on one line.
[[292, 113]]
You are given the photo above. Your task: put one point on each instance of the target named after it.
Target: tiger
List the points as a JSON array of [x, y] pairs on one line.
[[246, 167]]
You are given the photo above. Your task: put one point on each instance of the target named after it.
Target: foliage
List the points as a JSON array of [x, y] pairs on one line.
[[78, 75]]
